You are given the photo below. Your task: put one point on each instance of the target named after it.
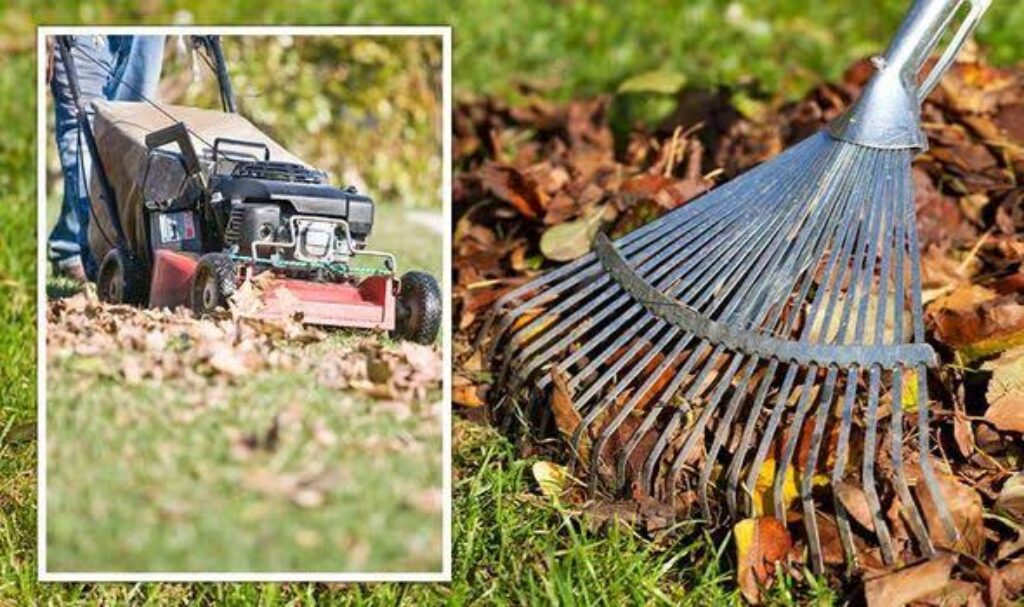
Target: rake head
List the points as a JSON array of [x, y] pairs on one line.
[[786, 299]]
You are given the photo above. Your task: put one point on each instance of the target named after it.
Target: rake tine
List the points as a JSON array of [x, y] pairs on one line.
[[904, 218], [726, 420], [868, 469], [781, 398], [845, 423], [732, 483], [697, 431], [663, 439], [909, 506], [782, 465], [807, 475], [952, 534]]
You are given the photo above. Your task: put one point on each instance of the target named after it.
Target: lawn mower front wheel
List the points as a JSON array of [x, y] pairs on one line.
[[418, 308], [213, 283], [122, 279]]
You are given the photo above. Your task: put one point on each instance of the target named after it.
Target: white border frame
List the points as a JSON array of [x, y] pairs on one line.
[[445, 33]]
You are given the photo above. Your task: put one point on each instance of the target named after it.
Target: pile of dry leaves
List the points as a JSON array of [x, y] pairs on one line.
[[147, 344], [536, 181]]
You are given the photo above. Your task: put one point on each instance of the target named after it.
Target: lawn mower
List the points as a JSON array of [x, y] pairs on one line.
[[185, 226]]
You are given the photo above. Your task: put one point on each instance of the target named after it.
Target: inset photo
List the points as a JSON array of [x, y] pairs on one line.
[[243, 314]]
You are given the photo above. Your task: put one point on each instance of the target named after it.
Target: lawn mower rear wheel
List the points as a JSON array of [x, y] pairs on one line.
[[418, 308], [213, 283], [123, 279]]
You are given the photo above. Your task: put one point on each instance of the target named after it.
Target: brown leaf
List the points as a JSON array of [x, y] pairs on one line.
[[1012, 575], [910, 583], [855, 501], [510, 185], [567, 418], [1011, 497], [467, 395], [964, 505], [1005, 393], [978, 322], [760, 544]]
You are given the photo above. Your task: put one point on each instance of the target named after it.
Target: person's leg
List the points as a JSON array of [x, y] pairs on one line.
[[69, 238], [139, 62]]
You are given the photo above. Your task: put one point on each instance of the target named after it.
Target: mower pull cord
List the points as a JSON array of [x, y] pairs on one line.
[[64, 45]]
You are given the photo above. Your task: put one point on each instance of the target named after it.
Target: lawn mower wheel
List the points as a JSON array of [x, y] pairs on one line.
[[418, 308], [122, 279], [213, 283]]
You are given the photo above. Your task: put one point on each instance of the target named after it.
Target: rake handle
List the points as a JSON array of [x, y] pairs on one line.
[[920, 33]]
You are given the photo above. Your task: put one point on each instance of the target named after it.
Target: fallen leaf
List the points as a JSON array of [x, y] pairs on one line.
[[508, 183], [760, 544], [1005, 393], [551, 478], [1011, 497], [572, 239], [467, 395], [978, 322], [910, 583], [1012, 574], [965, 508], [658, 81], [567, 418], [855, 501]]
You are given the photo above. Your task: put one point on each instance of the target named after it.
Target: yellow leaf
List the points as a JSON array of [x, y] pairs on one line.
[[909, 391], [764, 494], [551, 478]]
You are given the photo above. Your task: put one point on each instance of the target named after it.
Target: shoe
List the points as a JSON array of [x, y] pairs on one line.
[[71, 269]]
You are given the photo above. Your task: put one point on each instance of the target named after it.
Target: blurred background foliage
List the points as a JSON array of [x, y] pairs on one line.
[[367, 109], [576, 47]]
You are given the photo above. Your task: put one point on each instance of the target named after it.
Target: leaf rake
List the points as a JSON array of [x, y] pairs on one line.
[[749, 345]]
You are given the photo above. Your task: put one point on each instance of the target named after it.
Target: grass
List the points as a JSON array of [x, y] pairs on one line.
[[151, 468]]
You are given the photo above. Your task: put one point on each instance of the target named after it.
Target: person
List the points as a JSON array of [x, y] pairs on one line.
[[115, 68]]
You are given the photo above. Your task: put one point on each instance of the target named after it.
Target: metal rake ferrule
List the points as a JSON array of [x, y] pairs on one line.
[[749, 346]]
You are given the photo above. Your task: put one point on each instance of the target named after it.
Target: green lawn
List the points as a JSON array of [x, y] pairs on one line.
[[144, 478]]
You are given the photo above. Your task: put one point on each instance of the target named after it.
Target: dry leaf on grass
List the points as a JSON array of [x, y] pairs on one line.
[[760, 544], [551, 478]]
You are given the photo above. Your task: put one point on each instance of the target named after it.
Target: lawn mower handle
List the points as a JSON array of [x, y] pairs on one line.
[[227, 92], [176, 133]]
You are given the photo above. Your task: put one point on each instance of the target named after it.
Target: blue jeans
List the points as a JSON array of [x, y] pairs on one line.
[[117, 68]]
